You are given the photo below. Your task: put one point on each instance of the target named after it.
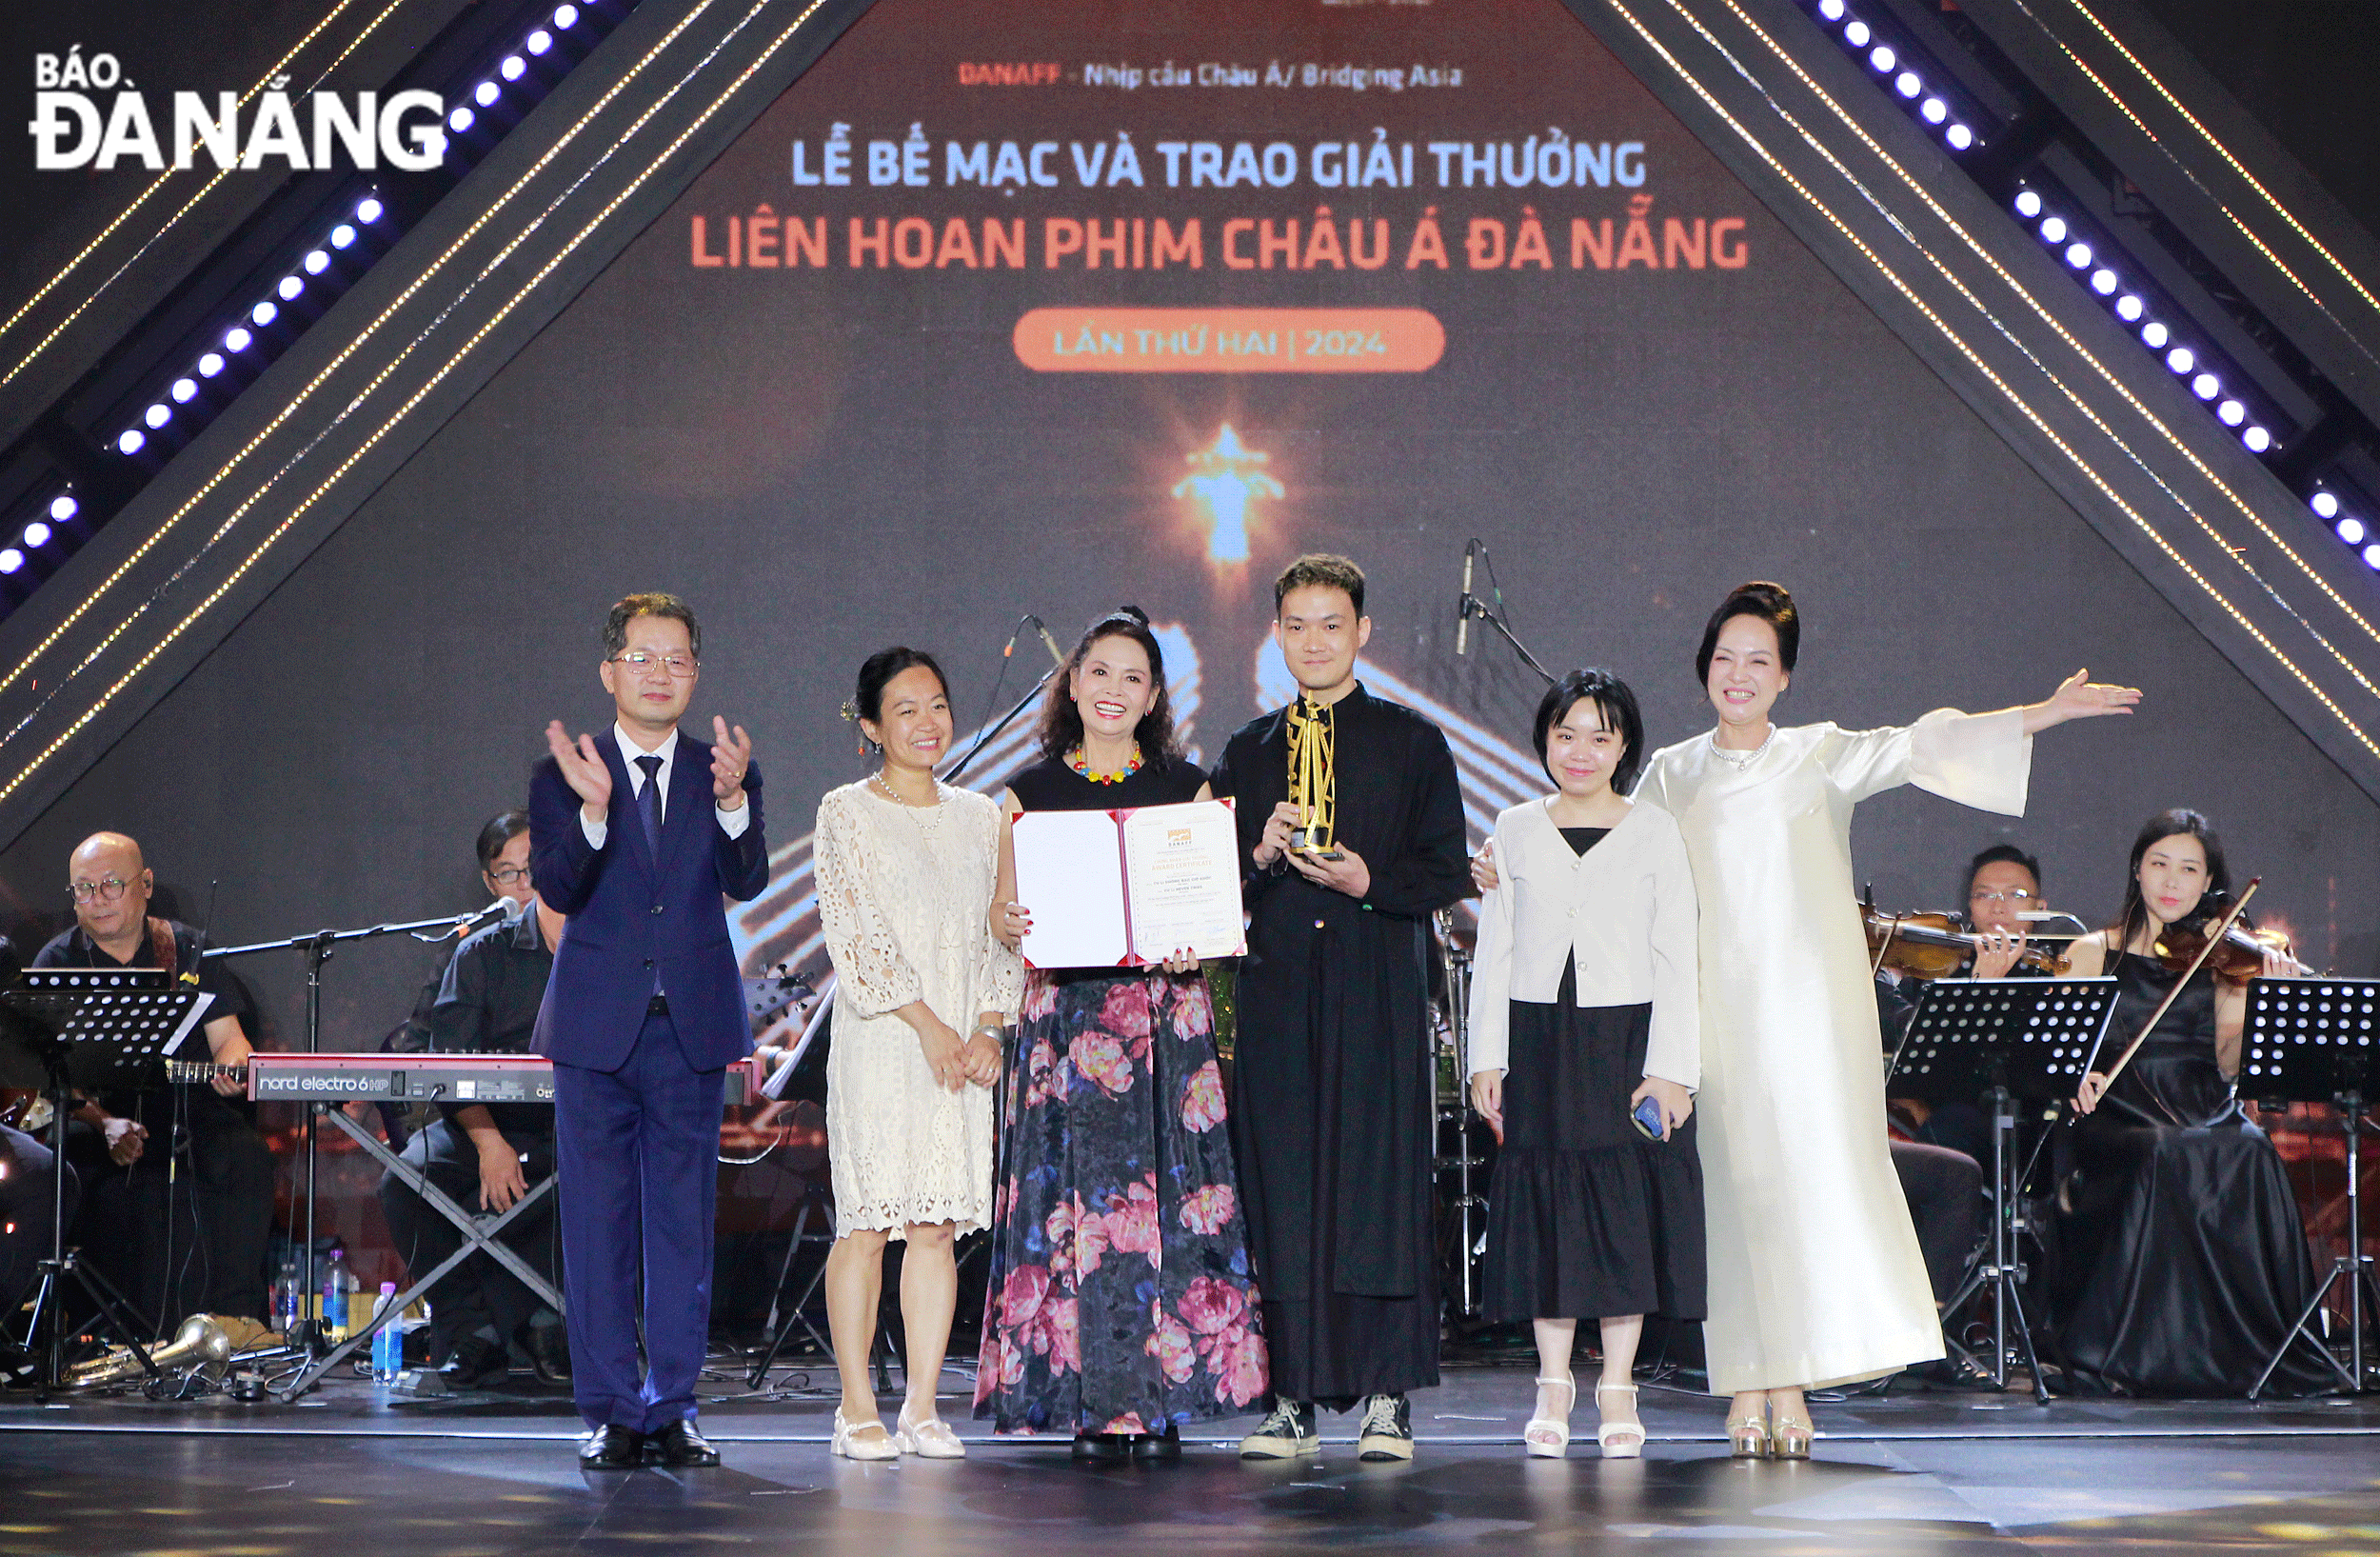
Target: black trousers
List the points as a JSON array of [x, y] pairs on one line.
[[25, 1212], [186, 1242], [1945, 1194], [478, 1297]]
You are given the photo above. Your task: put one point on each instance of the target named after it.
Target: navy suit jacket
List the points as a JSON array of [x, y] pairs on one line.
[[632, 915]]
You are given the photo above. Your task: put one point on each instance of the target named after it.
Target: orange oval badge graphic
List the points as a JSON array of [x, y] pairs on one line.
[[1230, 340]]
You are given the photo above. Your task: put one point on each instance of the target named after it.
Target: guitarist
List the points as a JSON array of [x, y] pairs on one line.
[[218, 1225]]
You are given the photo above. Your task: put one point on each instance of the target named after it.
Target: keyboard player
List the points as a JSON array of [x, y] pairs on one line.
[[485, 1156]]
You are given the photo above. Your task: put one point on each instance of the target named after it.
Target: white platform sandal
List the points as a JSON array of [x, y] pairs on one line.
[[928, 1440], [1548, 1437], [1617, 1440], [845, 1442]]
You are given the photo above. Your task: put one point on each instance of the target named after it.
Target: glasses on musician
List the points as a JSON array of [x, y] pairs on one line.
[[504, 875], [107, 889], [2008, 894], [679, 666]]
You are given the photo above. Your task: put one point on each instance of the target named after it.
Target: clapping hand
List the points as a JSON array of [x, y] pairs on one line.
[[730, 759], [1483, 873], [582, 769]]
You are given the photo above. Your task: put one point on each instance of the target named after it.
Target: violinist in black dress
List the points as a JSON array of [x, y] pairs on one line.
[[2185, 1262]]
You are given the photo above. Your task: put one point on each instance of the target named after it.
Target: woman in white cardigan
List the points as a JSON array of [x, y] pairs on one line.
[[1584, 1010]]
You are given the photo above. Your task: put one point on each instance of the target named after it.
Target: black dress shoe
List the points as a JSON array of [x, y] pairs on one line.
[[1102, 1448], [549, 1352], [1157, 1446], [612, 1448], [679, 1445], [477, 1364]]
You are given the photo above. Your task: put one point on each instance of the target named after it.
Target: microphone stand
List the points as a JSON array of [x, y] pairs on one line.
[[993, 732], [318, 948], [1473, 607]]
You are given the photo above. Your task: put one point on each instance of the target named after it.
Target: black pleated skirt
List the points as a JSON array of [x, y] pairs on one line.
[[1587, 1219]]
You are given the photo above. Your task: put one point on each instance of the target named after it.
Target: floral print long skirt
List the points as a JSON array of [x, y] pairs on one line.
[[1120, 1296]]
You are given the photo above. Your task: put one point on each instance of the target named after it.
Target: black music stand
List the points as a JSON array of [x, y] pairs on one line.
[[2313, 1040], [87, 1028], [1999, 1039]]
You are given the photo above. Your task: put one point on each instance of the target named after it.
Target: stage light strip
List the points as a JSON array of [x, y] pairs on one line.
[[2219, 149], [272, 537], [2055, 326], [188, 206], [2052, 324], [2053, 229], [38, 532], [355, 344], [1744, 132]]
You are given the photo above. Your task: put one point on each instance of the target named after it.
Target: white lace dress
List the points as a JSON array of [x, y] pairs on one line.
[[903, 894]]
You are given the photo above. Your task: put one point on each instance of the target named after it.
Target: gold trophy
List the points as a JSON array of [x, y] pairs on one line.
[[1313, 780]]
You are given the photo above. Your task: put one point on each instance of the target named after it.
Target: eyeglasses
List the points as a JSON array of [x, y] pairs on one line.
[[504, 875], [107, 889], [679, 666], [2014, 894]]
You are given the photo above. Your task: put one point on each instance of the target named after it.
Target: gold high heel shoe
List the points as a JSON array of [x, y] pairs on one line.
[[1793, 1440], [1748, 1437]]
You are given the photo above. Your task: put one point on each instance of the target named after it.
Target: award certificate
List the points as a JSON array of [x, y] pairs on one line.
[[1127, 888]]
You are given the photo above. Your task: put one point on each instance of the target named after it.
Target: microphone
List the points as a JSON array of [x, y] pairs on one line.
[[1462, 607], [1057, 655]]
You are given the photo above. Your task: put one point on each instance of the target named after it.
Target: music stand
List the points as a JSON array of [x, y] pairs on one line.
[[2313, 1040], [2000, 1040], [89, 1028]]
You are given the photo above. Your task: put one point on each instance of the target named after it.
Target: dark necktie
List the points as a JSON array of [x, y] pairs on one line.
[[648, 802]]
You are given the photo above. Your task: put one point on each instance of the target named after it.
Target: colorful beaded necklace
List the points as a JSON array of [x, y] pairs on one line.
[[1081, 765]]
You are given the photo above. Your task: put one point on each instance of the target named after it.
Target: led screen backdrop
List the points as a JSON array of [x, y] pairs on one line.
[[1044, 308]]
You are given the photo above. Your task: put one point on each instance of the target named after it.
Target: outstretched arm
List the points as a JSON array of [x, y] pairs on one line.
[[2078, 697]]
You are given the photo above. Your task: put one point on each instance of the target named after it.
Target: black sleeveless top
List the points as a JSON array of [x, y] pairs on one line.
[[2174, 1080], [1053, 787]]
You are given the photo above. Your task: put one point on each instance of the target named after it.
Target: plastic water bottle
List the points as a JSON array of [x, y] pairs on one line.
[[337, 1282], [387, 1341], [290, 1303]]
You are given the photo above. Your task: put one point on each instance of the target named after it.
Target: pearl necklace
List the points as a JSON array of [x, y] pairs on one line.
[[1740, 761], [1081, 765], [886, 791]]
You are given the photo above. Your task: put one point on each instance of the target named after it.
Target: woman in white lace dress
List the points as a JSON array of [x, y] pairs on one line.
[[905, 868]]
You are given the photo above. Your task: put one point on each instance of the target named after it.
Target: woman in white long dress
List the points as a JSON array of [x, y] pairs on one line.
[[1816, 1278], [907, 867]]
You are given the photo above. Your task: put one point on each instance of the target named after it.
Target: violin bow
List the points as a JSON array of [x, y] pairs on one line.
[[2214, 938]]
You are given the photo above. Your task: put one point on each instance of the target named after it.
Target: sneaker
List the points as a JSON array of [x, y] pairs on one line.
[[1287, 1433], [1387, 1429]]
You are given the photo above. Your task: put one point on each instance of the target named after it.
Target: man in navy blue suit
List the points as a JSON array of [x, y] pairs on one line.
[[638, 836]]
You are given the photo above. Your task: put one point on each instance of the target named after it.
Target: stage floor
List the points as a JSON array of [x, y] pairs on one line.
[[491, 1475]]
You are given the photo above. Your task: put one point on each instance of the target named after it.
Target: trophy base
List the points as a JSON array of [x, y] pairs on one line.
[[1316, 843]]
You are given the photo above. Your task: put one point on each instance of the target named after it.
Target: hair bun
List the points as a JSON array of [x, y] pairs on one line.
[[1135, 612]]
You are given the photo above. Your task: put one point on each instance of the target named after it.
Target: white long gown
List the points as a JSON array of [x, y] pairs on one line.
[[1815, 1277], [905, 894]]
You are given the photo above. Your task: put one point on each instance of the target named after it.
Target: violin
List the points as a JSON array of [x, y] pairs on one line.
[[2236, 959], [1931, 945]]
